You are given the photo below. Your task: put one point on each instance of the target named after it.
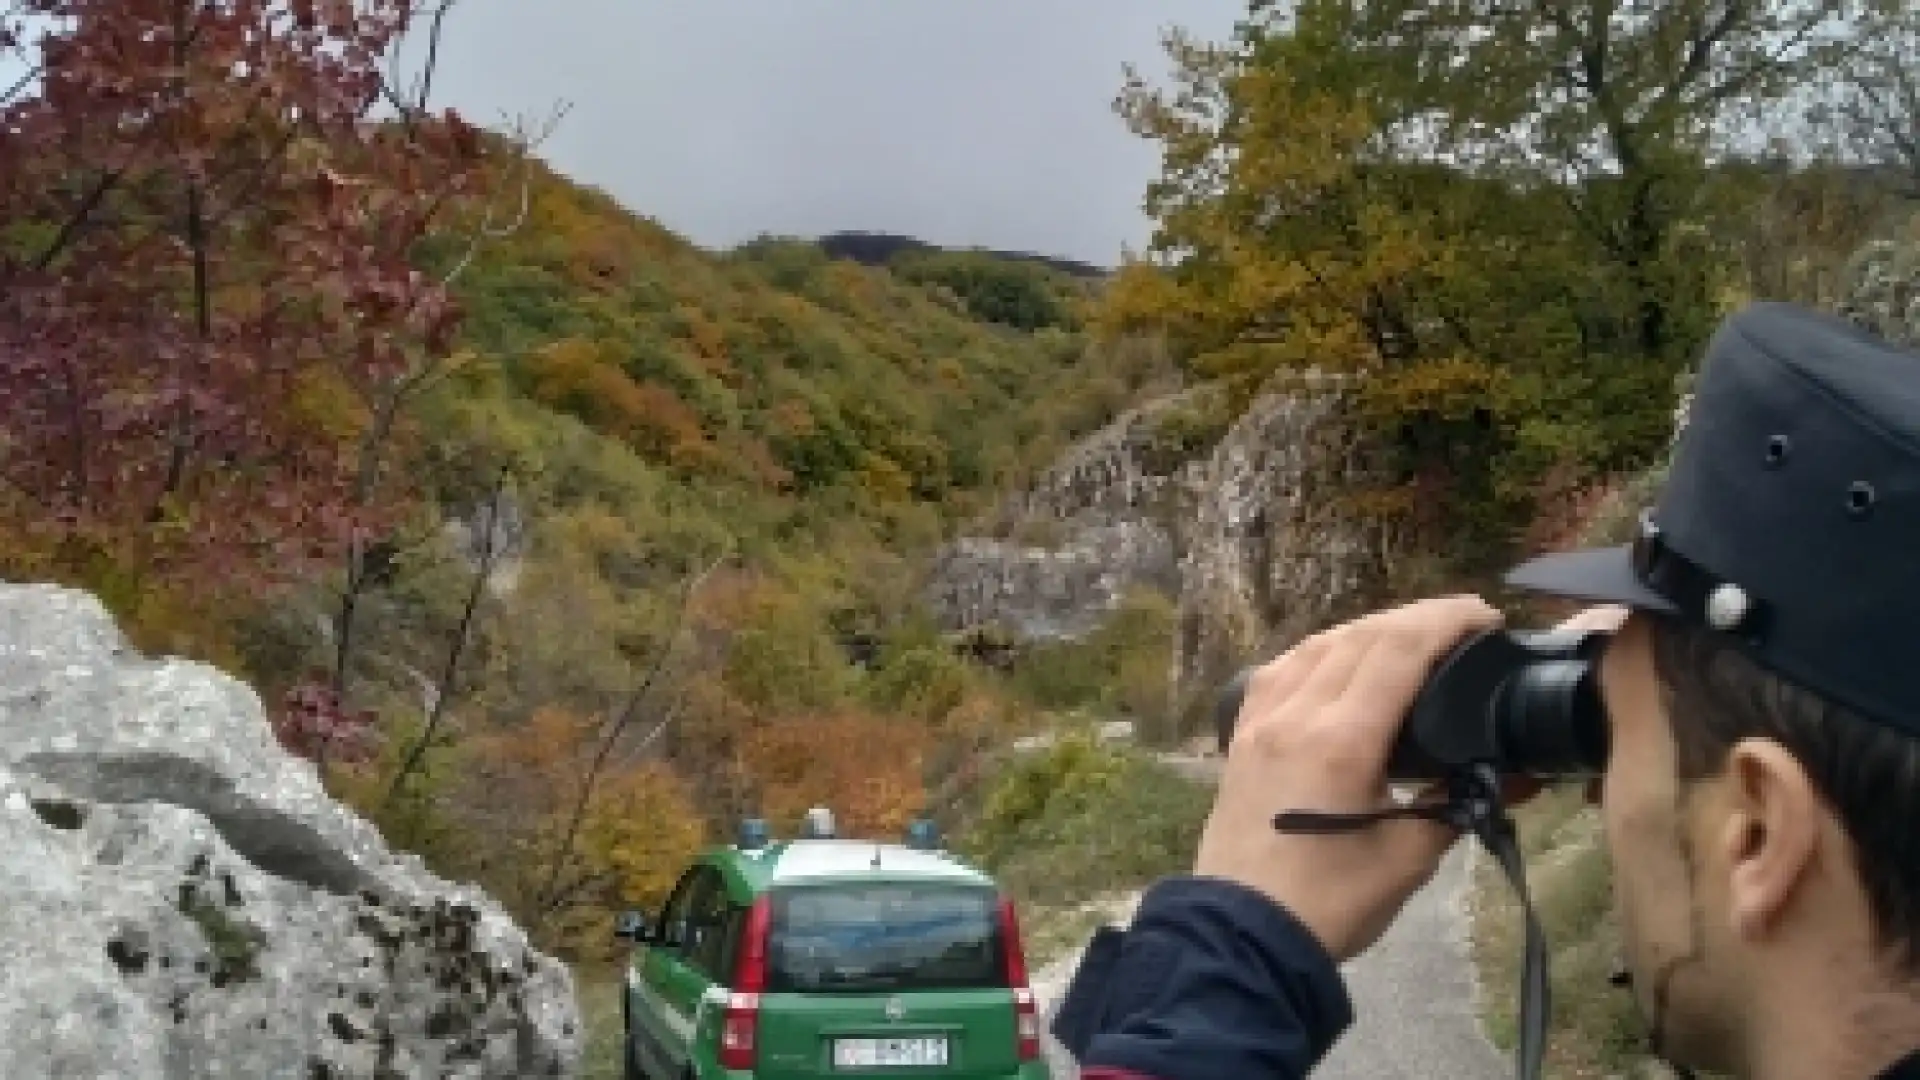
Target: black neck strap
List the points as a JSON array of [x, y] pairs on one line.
[[1473, 805]]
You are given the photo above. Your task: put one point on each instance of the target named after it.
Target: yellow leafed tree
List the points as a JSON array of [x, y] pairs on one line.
[[1335, 196], [639, 827]]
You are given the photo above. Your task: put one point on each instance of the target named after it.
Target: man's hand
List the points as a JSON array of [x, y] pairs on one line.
[[1314, 733], [1608, 618]]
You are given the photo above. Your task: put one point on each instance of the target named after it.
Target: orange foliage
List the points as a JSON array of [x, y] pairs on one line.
[[731, 596], [753, 461], [578, 377], [853, 281], [640, 824], [664, 427], [597, 256], [709, 343], [792, 418], [869, 769]]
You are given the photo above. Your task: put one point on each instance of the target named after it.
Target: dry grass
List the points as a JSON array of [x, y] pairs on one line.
[[1052, 933], [599, 990], [1595, 1030]]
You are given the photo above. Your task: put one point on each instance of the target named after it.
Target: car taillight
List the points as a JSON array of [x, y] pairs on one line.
[[1026, 1016], [740, 1022], [1026, 1020]]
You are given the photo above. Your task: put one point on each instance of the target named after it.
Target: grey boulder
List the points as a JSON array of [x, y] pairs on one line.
[[180, 898]]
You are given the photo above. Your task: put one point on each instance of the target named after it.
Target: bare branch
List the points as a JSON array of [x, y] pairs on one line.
[[1877, 112], [371, 457], [526, 137], [563, 851], [76, 221], [564, 895], [19, 87], [411, 103], [449, 672]]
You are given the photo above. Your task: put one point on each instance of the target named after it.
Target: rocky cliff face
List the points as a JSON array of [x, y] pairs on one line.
[[180, 898], [1228, 522]]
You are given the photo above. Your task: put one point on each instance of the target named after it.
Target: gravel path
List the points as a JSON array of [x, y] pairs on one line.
[[1413, 996]]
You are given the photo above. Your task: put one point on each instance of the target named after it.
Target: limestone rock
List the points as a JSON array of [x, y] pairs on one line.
[[1881, 287], [180, 898], [1042, 593], [1229, 529], [1264, 563]]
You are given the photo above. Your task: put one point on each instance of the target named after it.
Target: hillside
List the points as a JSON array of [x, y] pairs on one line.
[[771, 438], [778, 368], [879, 249], [826, 421], [555, 541]]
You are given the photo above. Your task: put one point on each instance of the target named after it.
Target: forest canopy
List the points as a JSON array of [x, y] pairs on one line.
[[1513, 225]]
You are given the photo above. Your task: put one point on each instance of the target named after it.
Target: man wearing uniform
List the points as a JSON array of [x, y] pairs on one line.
[[1762, 790]]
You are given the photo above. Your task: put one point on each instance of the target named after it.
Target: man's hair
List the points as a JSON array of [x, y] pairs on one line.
[[1867, 772]]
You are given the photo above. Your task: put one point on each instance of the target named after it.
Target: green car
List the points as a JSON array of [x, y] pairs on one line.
[[823, 957]]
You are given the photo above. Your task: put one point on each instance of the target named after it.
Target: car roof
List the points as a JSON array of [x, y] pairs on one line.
[[812, 862]]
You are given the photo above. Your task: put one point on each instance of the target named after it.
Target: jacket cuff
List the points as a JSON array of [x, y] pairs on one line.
[[1212, 979]]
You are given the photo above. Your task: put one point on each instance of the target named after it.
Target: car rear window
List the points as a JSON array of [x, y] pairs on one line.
[[884, 937]]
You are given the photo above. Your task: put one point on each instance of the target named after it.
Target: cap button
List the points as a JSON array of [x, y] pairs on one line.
[[1727, 606]]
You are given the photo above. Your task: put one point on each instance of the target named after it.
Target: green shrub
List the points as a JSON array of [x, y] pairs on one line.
[[1124, 667], [1082, 819]]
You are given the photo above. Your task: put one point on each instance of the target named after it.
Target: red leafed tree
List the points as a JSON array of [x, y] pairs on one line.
[[209, 217]]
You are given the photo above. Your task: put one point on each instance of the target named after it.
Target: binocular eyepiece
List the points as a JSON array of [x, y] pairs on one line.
[[1526, 703]]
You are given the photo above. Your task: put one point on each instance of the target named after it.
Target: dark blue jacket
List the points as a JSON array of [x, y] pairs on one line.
[[1214, 980]]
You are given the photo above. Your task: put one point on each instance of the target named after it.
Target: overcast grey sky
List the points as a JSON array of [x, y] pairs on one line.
[[959, 121]]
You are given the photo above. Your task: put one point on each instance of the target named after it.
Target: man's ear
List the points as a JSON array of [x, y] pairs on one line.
[[1769, 834]]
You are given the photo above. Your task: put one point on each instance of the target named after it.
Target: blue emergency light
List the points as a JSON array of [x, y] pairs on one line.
[[923, 835], [752, 835]]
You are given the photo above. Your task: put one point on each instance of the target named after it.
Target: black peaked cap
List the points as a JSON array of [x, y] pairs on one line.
[[1790, 517]]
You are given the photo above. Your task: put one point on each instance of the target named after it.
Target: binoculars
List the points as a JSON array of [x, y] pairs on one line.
[[1525, 703]]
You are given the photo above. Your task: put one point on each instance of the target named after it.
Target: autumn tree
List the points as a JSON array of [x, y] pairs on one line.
[[1290, 237], [869, 769], [1871, 104], [1881, 289], [566, 858], [207, 285], [1808, 221], [1492, 218], [1624, 106]]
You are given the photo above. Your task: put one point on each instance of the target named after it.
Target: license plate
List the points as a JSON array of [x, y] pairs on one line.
[[927, 1052]]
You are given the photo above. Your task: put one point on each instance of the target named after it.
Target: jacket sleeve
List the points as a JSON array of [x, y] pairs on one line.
[[1212, 980]]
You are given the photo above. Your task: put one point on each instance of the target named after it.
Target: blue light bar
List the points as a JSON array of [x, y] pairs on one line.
[[923, 835], [752, 835]]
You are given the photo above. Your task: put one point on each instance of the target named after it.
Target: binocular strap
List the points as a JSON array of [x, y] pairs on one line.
[[1472, 805]]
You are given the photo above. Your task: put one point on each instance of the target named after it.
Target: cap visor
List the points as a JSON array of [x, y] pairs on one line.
[[1602, 575]]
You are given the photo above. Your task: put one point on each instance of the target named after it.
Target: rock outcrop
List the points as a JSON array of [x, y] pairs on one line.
[[1227, 522], [1881, 286], [1040, 593], [180, 898]]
